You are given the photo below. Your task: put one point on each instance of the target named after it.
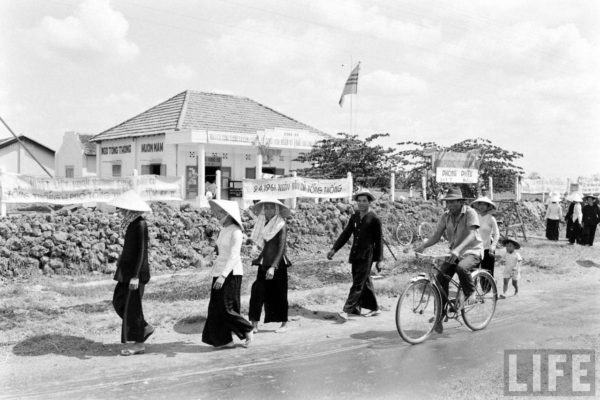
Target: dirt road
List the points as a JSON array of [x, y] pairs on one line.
[[320, 358]]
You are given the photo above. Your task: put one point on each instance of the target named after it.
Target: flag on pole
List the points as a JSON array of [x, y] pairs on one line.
[[351, 85]]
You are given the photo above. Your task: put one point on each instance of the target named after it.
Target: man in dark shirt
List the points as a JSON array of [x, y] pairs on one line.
[[365, 226]]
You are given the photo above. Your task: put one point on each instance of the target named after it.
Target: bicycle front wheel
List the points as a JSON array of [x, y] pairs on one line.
[[417, 311], [479, 314], [404, 235]]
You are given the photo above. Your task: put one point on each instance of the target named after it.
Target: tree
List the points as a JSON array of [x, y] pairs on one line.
[[496, 162], [333, 158]]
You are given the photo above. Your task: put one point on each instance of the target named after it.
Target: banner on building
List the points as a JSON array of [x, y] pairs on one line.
[[454, 167], [17, 188], [291, 187], [589, 186]]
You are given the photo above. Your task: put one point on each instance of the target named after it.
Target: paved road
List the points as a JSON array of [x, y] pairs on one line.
[[363, 358]]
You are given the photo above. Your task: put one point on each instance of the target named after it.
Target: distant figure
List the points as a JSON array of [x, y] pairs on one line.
[[271, 286], [367, 248], [574, 219], [132, 272], [511, 262], [590, 218], [488, 230], [554, 215], [224, 317]]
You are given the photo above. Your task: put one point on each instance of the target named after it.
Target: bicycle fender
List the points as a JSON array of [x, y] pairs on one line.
[[419, 277]]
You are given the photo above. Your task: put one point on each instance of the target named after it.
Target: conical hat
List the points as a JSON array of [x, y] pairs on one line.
[[230, 207], [485, 200], [284, 211], [363, 192], [130, 200], [576, 197]]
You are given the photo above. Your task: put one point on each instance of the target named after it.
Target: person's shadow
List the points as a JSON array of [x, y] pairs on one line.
[[297, 311], [587, 263], [82, 348]]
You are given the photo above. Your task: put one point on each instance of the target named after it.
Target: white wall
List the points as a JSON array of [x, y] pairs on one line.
[[70, 153], [15, 159]]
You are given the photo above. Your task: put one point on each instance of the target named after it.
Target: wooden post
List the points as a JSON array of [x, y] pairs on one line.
[[293, 199], [201, 164], [392, 187], [218, 184], [491, 187], [2, 204], [424, 186], [349, 177], [410, 192], [517, 188], [543, 192]]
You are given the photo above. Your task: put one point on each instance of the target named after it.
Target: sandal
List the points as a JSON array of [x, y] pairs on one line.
[[131, 352]]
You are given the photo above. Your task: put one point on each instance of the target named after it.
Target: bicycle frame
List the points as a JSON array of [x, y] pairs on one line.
[[450, 304]]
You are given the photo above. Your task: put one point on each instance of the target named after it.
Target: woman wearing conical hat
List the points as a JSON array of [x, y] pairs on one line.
[[132, 272], [488, 230], [224, 317], [271, 286], [553, 216]]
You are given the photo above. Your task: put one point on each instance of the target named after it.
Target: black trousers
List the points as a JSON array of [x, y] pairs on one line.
[[552, 229], [463, 270], [574, 232], [488, 263], [362, 293], [272, 294], [588, 234], [224, 317], [128, 305]]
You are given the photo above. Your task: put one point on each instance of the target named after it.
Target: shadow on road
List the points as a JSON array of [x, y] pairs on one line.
[[191, 325], [370, 335], [587, 263], [299, 311], [82, 348]]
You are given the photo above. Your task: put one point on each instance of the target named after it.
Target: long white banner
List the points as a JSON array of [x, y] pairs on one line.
[[290, 187], [29, 189]]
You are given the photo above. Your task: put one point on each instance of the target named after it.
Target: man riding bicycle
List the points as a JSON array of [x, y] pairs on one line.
[[460, 223]]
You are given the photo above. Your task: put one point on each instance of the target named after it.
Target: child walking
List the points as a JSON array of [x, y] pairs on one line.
[[512, 265]]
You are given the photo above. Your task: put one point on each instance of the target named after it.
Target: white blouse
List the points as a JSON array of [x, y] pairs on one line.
[[577, 215], [229, 259], [554, 211], [488, 229]]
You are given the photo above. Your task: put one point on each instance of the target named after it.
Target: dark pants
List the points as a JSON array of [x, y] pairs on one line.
[[128, 305], [588, 234], [488, 263], [463, 270], [224, 317], [552, 229], [362, 294], [574, 232], [272, 294]]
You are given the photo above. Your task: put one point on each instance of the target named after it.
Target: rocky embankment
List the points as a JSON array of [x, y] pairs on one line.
[[87, 241]]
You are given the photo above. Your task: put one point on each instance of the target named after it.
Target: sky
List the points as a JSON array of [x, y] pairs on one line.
[[523, 74]]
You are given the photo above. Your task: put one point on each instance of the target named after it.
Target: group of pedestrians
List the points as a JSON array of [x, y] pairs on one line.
[[472, 235], [582, 218]]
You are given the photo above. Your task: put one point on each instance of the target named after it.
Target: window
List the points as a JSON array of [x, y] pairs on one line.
[[69, 171], [250, 173], [116, 170], [154, 169]]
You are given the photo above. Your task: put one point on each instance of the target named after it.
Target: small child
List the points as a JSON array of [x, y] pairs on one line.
[[512, 265]]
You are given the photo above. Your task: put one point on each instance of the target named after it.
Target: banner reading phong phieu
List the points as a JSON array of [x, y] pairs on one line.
[[31, 189], [453, 167], [290, 187]]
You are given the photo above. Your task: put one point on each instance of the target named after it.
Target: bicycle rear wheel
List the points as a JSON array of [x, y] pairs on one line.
[[479, 314], [417, 311], [404, 235]]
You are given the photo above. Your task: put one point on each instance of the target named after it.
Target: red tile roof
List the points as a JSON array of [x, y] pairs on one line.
[[204, 111]]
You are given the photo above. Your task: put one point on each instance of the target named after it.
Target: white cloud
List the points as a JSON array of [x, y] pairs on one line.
[[95, 30], [123, 98], [179, 71], [385, 83]]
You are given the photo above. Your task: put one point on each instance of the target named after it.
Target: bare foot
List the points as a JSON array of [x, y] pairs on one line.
[[281, 329], [249, 337]]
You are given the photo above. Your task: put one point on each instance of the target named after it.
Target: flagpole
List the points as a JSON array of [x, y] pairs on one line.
[[351, 67]]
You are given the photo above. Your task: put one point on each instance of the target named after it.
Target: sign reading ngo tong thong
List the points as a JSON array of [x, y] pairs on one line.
[[453, 167], [291, 187]]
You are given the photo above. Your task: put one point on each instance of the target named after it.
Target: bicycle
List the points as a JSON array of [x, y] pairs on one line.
[[419, 306], [404, 234]]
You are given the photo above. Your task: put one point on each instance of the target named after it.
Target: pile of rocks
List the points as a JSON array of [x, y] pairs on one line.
[[87, 240]]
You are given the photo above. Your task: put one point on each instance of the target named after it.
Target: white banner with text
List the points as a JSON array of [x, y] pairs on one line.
[[31, 189], [291, 187]]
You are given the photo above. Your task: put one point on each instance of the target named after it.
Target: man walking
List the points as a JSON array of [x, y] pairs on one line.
[[460, 224], [367, 248]]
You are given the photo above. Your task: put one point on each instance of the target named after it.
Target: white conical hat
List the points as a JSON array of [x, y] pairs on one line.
[[576, 197], [130, 200], [484, 199], [284, 211], [230, 207]]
